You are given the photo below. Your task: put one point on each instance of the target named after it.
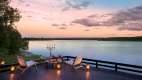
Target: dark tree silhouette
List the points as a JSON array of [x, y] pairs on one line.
[[10, 38]]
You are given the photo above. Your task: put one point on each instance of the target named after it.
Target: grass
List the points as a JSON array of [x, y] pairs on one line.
[[32, 57], [11, 59]]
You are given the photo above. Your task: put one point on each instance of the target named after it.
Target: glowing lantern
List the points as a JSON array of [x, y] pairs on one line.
[[88, 67], [3, 62], [12, 69], [58, 66]]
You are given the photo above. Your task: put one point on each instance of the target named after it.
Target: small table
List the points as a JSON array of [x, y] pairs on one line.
[[54, 61]]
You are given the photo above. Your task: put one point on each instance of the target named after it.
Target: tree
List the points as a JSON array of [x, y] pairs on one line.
[[10, 38]]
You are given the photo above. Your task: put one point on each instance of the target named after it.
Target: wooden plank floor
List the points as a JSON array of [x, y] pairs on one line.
[[67, 73]]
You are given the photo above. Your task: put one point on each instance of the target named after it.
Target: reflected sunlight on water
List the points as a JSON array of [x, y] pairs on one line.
[[87, 75]]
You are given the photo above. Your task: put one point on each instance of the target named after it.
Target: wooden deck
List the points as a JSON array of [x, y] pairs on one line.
[[67, 73]]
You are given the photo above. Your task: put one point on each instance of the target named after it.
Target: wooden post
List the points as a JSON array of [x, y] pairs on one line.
[[67, 58], [115, 67], [96, 64]]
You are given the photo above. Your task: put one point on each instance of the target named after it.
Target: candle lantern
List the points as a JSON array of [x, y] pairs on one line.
[[87, 67], [2, 62], [58, 66], [12, 69]]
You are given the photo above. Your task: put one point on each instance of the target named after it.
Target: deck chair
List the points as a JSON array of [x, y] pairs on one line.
[[77, 63], [25, 65]]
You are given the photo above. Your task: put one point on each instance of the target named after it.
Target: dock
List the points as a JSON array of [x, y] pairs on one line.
[[67, 72]]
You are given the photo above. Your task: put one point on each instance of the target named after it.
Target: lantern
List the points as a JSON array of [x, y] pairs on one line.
[[2, 62], [12, 69], [58, 66], [88, 67]]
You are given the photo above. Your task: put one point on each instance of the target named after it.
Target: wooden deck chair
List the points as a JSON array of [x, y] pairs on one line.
[[77, 63], [24, 65]]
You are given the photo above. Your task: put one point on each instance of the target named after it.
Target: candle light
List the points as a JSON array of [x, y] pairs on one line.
[[58, 66], [88, 67], [12, 69], [2, 62]]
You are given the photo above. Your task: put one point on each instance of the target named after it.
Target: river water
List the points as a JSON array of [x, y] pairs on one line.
[[116, 51]]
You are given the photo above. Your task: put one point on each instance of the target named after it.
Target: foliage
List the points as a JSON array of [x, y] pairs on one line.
[[10, 39]]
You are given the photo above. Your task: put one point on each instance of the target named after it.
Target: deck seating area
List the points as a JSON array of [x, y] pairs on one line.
[[67, 72]]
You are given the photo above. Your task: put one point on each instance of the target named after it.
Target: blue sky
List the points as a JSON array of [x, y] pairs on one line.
[[120, 4]]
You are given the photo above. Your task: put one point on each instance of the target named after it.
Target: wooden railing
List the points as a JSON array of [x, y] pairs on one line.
[[96, 63], [6, 67], [107, 64]]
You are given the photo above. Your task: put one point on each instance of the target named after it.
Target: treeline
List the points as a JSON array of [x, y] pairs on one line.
[[121, 39], [10, 39], [139, 38]]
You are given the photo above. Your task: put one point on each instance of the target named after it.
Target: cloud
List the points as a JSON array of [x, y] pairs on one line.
[[22, 1], [133, 14], [44, 18], [87, 30], [130, 19], [55, 25], [64, 25], [86, 22], [76, 4], [132, 26], [29, 16], [27, 5], [93, 20], [59, 24], [62, 28]]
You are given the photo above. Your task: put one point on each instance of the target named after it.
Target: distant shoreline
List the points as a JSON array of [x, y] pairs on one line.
[[139, 38]]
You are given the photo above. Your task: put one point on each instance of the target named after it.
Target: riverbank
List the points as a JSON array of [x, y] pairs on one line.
[[29, 55], [137, 38]]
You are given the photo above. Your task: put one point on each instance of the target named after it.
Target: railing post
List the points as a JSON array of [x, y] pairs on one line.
[[67, 58], [96, 64], [116, 68]]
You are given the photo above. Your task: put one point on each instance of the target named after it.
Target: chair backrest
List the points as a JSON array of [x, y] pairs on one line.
[[21, 61], [77, 60]]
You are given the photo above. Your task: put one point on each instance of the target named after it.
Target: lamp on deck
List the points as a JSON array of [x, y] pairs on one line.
[[12, 69], [87, 67], [58, 66], [2, 62]]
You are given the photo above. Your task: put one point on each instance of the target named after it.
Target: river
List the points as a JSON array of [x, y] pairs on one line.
[[116, 51]]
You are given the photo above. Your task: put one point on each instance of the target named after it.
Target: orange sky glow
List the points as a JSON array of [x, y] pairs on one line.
[[56, 19]]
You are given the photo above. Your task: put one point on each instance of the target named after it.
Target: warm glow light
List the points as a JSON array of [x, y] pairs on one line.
[[87, 75], [58, 66], [87, 66], [3, 62], [12, 76], [12, 68], [58, 72]]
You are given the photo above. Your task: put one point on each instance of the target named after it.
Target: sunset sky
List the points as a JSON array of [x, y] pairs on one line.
[[79, 18]]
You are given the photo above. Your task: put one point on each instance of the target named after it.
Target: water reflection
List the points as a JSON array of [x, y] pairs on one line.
[[12, 76], [58, 72], [87, 75]]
